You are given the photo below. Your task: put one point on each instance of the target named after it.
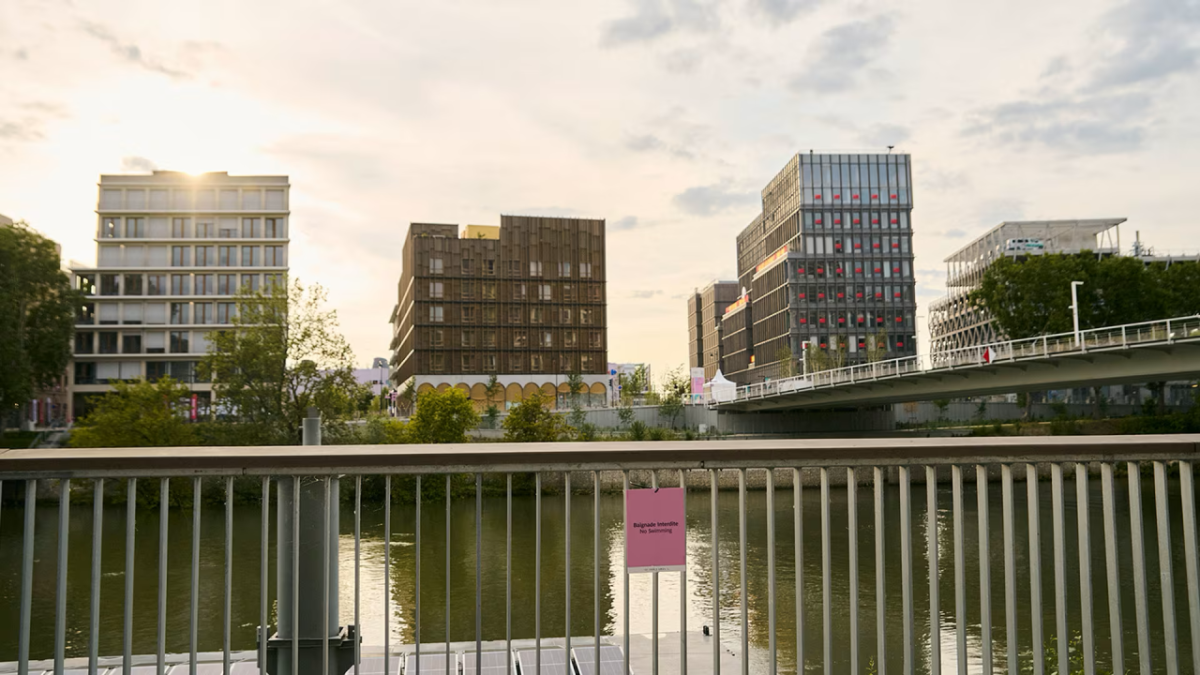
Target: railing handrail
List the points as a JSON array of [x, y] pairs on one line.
[[530, 457], [1004, 349]]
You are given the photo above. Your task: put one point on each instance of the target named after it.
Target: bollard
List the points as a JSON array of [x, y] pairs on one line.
[[311, 615]]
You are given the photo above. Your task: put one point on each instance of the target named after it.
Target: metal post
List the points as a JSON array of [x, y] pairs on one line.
[[1075, 310]]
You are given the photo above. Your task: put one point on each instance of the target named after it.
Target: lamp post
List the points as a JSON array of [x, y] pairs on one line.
[[1075, 309]]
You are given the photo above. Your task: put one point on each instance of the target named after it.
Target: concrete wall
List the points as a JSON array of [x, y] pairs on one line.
[[925, 412], [790, 422]]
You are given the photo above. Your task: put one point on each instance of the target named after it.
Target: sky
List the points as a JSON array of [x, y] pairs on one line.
[[665, 117]]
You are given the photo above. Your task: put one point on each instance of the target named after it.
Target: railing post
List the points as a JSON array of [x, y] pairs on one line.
[[317, 532]]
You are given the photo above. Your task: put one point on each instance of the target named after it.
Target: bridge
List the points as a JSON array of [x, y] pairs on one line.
[[1128, 354]]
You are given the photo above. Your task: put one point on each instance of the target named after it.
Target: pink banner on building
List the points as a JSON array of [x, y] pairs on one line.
[[195, 405], [655, 530]]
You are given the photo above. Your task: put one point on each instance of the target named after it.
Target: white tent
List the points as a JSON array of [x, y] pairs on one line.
[[720, 389]]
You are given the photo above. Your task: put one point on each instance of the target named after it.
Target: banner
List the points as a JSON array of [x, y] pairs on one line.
[[655, 530]]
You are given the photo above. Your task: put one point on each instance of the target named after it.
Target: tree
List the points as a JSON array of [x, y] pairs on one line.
[[877, 347], [283, 356], [942, 404], [676, 386], [138, 414], [625, 410], [576, 387], [530, 421], [493, 389], [37, 315], [443, 417], [787, 361], [636, 383], [407, 398]]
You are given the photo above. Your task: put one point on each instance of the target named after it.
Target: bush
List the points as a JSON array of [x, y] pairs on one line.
[[660, 434], [531, 422], [442, 417], [637, 430], [587, 432]]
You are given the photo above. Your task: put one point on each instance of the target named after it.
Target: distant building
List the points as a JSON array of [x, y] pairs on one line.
[[524, 301], [705, 309], [954, 323], [173, 250], [827, 264]]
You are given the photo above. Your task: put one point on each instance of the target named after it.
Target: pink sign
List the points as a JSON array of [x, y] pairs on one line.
[[655, 530]]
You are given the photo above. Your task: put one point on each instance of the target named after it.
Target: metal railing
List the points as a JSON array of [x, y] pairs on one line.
[[307, 479], [1092, 340]]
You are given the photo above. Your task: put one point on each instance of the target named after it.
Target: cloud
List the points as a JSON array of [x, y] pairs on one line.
[[707, 200], [620, 224], [883, 135], [652, 143], [654, 19], [783, 11], [943, 181], [129, 51], [20, 131], [683, 61], [644, 295], [1109, 104], [840, 57], [953, 233], [133, 163], [21, 54]]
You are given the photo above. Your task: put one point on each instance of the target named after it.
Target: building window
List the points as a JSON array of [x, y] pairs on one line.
[[566, 363], [489, 314], [179, 313], [514, 315], [535, 315], [489, 290], [468, 290], [518, 291], [226, 284], [180, 256], [547, 339], [179, 228], [436, 313], [516, 363], [535, 268], [468, 314], [225, 312], [227, 256], [206, 256], [274, 228], [489, 363], [250, 256], [205, 229], [273, 281], [514, 268], [435, 265], [468, 363], [585, 270], [585, 363], [569, 339], [544, 292], [468, 266], [437, 362], [108, 342], [250, 283], [535, 363], [135, 228], [436, 289], [86, 316], [86, 284], [594, 339], [131, 344], [594, 293], [564, 316], [568, 293], [203, 312], [179, 342], [564, 269], [489, 339], [468, 338], [585, 316], [110, 284], [85, 372], [274, 256], [520, 339], [181, 284], [437, 337], [489, 267], [85, 343], [228, 230], [108, 229], [156, 370], [250, 228], [133, 285]]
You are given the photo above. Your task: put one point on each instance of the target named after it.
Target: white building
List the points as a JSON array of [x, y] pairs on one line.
[[172, 252]]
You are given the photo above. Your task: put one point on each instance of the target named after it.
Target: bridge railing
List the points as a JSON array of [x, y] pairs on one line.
[[1112, 337], [1096, 537]]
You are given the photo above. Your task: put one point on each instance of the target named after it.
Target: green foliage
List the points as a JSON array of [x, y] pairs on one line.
[[37, 315], [376, 430], [576, 387], [676, 386], [587, 432], [660, 434], [625, 410], [407, 398], [443, 417], [787, 361], [942, 404], [831, 358], [635, 383], [283, 356], [637, 431], [877, 347], [1032, 296], [530, 421], [138, 414]]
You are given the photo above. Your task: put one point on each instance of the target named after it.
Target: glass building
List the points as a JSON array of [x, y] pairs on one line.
[[828, 264]]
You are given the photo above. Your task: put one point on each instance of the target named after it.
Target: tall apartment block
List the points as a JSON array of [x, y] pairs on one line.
[[705, 309], [827, 264], [524, 301], [173, 250]]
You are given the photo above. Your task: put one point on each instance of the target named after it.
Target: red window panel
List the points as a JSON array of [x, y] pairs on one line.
[[899, 319], [799, 270], [820, 296], [879, 295], [874, 196], [858, 295], [817, 221], [823, 345], [895, 220], [837, 221], [858, 270], [857, 221], [803, 320], [860, 319], [897, 294], [899, 344], [838, 246], [841, 295], [895, 270], [874, 221], [856, 196], [839, 270], [858, 246], [875, 245], [878, 270], [841, 319], [839, 196], [893, 196], [820, 270], [816, 196], [895, 244], [821, 320], [803, 296], [862, 345]]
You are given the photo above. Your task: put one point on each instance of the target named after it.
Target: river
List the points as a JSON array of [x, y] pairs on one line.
[[246, 559]]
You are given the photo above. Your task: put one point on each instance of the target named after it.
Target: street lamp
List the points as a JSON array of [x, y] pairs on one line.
[[1075, 309]]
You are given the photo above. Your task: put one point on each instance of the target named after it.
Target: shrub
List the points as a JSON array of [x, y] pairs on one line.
[[637, 430], [531, 422]]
